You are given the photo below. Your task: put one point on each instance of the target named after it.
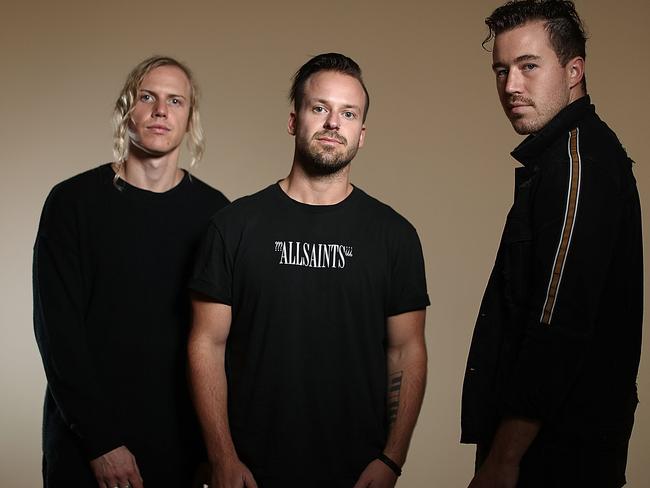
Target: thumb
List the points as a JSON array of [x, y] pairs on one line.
[[361, 482], [249, 481]]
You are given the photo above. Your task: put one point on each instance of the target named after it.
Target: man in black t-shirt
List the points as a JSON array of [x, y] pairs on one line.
[[307, 352]]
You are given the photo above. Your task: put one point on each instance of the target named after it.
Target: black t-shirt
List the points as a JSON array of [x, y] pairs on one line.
[[111, 314], [310, 289]]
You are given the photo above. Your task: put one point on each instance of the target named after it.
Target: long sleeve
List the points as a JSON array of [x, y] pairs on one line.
[[576, 218], [60, 301]]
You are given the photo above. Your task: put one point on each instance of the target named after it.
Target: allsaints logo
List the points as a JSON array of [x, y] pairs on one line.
[[313, 255]]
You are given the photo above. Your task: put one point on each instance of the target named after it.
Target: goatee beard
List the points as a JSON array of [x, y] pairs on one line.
[[327, 161], [321, 165]]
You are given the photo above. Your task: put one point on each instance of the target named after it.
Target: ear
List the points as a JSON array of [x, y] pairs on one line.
[[362, 136], [575, 71], [291, 125]]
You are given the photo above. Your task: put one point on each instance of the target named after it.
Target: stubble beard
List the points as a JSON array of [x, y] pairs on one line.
[[520, 123], [324, 160], [526, 125]]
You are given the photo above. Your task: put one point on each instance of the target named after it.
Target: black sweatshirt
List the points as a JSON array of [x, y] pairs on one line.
[[111, 311]]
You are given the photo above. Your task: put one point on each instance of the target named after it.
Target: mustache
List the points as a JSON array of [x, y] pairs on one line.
[[518, 99], [330, 135]]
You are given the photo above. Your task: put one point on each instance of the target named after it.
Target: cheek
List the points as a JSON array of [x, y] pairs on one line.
[[362, 139], [305, 130], [186, 121], [501, 91], [137, 116], [551, 91]]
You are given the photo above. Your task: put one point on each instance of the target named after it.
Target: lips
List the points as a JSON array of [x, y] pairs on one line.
[[518, 108], [158, 128], [330, 137], [330, 140], [517, 102]]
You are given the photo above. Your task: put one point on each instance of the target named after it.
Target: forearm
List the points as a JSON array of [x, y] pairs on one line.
[[513, 438], [210, 393], [62, 338], [549, 363], [407, 371]]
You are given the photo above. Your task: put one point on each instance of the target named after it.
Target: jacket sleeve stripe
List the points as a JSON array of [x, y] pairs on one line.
[[573, 195]]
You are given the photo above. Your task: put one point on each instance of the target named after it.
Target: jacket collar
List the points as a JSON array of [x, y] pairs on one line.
[[534, 146]]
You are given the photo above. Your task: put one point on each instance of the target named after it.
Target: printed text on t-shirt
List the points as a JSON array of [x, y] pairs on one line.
[[313, 255]]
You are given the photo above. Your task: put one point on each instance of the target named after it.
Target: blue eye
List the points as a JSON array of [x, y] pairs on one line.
[[145, 97], [319, 109]]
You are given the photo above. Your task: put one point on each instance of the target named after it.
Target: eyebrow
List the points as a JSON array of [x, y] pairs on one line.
[[519, 59], [327, 102]]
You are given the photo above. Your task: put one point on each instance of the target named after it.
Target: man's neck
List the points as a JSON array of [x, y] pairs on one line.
[[317, 190], [576, 92], [151, 173]]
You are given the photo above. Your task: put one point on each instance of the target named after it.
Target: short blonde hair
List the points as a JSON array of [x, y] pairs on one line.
[[126, 103]]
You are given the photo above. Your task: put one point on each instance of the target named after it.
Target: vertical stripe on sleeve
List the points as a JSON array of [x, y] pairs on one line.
[[573, 195]]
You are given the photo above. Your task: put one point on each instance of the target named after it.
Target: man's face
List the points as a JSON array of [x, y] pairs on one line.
[[328, 125], [533, 87], [160, 117]]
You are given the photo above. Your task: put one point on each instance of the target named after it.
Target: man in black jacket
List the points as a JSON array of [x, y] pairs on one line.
[[550, 392]]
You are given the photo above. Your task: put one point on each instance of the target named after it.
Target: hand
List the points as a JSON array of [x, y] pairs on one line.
[[117, 468], [377, 475], [232, 474], [493, 475]]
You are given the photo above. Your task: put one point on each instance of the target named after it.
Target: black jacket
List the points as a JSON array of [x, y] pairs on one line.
[[558, 336]]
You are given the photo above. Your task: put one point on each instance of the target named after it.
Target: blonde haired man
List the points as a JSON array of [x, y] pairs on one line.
[[110, 265]]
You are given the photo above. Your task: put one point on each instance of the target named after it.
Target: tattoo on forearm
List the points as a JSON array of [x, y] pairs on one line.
[[394, 387]]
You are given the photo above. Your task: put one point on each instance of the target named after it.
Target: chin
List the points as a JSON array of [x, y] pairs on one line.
[[522, 131], [325, 167], [523, 128], [151, 150]]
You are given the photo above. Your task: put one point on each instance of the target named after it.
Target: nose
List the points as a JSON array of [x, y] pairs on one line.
[[514, 82], [160, 109], [332, 121]]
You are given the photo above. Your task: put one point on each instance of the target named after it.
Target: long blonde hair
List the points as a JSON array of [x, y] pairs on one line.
[[126, 102]]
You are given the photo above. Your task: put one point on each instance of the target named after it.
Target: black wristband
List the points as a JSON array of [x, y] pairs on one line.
[[390, 463]]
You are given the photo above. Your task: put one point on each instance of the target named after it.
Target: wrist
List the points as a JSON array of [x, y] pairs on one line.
[[394, 467], [223, 458], [396, 455], [505, 458]]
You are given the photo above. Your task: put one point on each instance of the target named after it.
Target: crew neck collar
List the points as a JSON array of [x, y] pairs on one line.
[[124, 185], [307, 207]]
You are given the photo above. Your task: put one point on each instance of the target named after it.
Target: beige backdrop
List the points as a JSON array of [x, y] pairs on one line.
[[436, 150]]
